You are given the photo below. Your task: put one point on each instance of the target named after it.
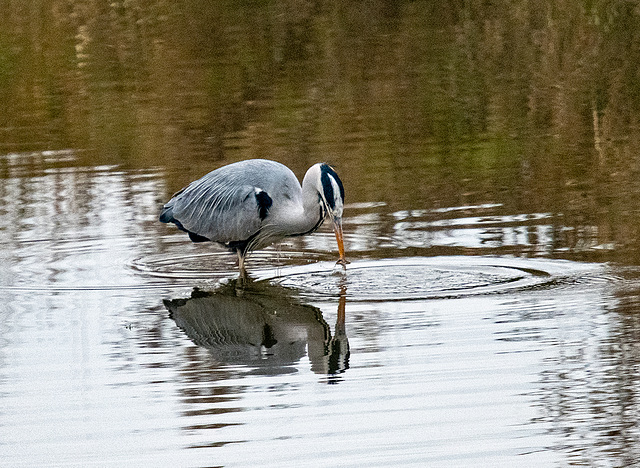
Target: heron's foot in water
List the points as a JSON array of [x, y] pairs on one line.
[[344, 262]]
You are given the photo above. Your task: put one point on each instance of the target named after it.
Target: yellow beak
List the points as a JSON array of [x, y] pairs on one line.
[[337, 228]]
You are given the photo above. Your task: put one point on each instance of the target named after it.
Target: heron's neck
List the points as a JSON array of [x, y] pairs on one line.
[[306, 218], [312, 213]]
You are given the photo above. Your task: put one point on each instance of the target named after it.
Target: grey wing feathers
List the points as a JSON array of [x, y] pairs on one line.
[[218, 207]]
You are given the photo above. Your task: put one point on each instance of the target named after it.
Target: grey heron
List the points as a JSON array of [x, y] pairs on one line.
[[251, 204]]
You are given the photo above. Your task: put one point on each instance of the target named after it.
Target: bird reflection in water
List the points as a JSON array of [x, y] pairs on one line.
[[264, 326]]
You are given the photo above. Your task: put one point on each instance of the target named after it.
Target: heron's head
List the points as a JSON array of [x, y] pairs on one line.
[[331, 197]]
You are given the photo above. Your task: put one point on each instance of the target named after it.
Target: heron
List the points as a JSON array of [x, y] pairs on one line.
[[249, 205]]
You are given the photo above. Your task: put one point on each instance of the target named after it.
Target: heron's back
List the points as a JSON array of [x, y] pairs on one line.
[[222, 205]]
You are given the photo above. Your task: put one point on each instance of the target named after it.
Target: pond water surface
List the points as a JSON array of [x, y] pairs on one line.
[[490, 312], [124, 344]]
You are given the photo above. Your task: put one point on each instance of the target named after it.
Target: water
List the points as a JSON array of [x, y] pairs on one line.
[[488, 317], [123, 344]]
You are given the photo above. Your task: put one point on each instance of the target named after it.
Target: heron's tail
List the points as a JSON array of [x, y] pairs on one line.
[[167, 217], [167, 213]]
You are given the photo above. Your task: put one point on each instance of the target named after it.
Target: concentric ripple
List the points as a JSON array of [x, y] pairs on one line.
[[214, 264], [431, 277]]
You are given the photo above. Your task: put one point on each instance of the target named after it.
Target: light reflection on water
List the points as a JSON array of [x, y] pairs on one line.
[[489, 152], [442, 360]]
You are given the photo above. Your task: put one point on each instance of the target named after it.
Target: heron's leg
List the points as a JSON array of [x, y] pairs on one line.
[[241, 261]]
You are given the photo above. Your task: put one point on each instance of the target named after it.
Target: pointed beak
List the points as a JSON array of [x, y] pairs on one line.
[[337, 228]]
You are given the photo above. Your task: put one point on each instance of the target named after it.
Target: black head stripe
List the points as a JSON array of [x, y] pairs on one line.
[[327, 188], [327, 173]]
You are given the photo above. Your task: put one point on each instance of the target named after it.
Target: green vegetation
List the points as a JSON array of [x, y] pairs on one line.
[[523, 102]]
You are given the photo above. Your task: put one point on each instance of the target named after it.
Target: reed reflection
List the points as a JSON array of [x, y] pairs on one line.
[[263, 326]]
